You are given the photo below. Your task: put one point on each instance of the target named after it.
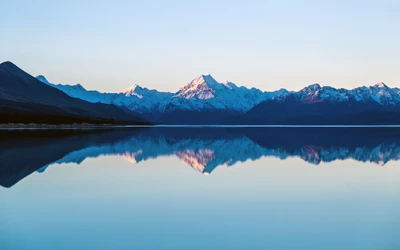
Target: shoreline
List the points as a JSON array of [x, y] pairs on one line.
[[34, 126]]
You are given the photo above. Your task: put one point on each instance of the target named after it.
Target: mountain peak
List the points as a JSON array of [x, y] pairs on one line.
[[311, 88], [202, 87], [78, 86], [205, 78], [7, 63], [135, 90], [131, 88], [380, 85], [314, 86], [45, 81], [11, 67], [42, 79]]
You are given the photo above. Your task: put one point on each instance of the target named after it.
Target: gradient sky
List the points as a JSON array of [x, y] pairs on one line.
[[110, 45]]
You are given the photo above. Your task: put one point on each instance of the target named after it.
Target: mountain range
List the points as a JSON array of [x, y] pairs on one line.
[[24, 99], [202, 101], [314, 104], [206, 101]]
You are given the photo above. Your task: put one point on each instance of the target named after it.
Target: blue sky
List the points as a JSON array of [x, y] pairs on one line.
[[110, 45]]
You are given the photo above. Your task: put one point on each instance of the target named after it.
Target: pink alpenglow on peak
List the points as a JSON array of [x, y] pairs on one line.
[[133, 90], [202, 87]]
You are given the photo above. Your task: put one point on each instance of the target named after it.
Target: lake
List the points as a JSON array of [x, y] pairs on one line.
[[200, 188]]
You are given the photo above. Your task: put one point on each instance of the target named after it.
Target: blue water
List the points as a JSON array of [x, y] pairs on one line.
[[200, 188]]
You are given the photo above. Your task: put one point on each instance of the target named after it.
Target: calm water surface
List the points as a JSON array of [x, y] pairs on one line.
[[201, 188]]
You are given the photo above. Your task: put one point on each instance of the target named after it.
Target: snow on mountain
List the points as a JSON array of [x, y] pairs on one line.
[[134, 90], [202, 87], [379, 93], [316, 93], [134, 98], [204, 92], [384, 95], [148, 96]]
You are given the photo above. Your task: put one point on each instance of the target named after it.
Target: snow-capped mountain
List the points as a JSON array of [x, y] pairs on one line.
[[207, 101], [204, 92], [134, 98], [379, 93], [377, 104]]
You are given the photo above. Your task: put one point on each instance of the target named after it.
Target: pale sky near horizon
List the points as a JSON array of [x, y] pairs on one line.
[[111, 45]]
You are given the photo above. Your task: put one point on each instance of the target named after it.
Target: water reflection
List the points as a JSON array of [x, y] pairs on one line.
[[204, 149]]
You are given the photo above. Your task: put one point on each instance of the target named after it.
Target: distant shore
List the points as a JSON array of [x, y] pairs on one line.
[[55, 126], [6, 126]]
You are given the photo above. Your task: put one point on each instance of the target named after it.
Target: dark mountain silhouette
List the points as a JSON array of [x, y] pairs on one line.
[[293, 110], [204, 149], [24, 99], [190, 117], [23, 152]]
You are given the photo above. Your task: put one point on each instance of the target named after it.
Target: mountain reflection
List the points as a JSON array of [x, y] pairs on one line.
[[204, 149]]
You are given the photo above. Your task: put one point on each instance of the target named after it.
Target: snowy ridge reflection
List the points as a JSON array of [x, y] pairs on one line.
[[204, 149]]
